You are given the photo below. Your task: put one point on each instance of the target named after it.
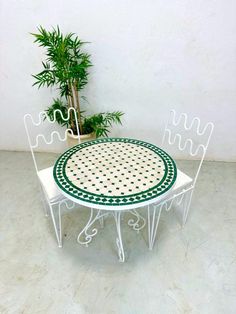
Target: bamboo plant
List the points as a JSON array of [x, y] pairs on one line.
[[67, 67]]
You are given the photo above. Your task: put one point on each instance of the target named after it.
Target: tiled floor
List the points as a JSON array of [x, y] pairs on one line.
[[190, 270]]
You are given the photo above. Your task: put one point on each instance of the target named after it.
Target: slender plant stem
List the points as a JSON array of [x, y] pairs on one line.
[[73, 103], [78, 106], [72, 124]]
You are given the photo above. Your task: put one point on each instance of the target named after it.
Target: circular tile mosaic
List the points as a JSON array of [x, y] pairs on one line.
[[115, 171]]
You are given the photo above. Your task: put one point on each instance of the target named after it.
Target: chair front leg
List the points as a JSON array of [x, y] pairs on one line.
[[187, 203], [45, 203], [154, 213], [56, 219]]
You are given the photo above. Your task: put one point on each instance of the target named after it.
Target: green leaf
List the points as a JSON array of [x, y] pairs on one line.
[[102, 122], [67, 65], [64, 59]]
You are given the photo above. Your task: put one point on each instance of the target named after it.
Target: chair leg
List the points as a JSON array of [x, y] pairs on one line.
[[187, 203], [119, 241], [57, 223], [154, 214], [45, 204]]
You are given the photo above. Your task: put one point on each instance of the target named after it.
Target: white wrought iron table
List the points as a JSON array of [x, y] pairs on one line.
[[114, 175]]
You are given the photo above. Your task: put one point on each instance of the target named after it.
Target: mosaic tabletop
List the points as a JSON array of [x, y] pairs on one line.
[[114, 172]]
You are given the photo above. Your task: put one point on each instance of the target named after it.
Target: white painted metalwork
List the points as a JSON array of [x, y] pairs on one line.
[[55, 211], [86, 235], [52, 206], [119, 241], [173, 137], [154, 212], [99, 153], [137, 224], [89, 234], [153, 221], [42, 117]]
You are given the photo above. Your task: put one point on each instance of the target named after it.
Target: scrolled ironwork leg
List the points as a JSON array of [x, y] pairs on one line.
[[88, 236], [137, 224], [119, 242], [153, 221], [68, 204]]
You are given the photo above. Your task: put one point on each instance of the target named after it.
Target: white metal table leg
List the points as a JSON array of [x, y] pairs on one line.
[[94, 215], [154, 214], [119, 241]]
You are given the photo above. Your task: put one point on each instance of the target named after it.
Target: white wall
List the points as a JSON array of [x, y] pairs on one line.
[[148, 56]]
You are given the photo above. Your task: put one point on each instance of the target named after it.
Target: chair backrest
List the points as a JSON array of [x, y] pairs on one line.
[[188, 135], [48, 137]]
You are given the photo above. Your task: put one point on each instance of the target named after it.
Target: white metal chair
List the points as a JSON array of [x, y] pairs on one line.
[[193, 138], [53, 199]]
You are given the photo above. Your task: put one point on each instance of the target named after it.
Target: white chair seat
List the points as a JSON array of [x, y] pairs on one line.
[[182, 180], [49, 186]]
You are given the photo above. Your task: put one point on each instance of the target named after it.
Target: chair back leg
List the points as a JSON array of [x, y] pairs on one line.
[[154, 214], [44, 201], [187, 203], [56, 219]]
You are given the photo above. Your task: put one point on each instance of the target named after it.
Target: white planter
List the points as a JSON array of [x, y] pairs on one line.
[[72, 140]]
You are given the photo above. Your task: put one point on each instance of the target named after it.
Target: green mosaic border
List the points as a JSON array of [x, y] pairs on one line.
[[69, 188]]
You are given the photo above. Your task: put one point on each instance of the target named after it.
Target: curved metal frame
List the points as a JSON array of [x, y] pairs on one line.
[[94, 216], [183, 197], [137, 224], [86, 235], [154, 211], [49, 205], [42, 116], [173, 138]]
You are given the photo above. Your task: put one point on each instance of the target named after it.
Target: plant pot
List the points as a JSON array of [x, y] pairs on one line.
[[72, 140]]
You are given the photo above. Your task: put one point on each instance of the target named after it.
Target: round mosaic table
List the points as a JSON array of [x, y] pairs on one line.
[[114, 174]]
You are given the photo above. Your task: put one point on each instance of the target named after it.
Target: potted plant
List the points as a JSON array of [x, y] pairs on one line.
[[66, 67]]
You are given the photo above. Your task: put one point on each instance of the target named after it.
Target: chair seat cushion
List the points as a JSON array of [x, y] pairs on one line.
[[182, 180], [48, 183]]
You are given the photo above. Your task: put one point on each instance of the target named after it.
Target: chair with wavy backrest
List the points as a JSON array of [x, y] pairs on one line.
[[193, 138], [53, 199]]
